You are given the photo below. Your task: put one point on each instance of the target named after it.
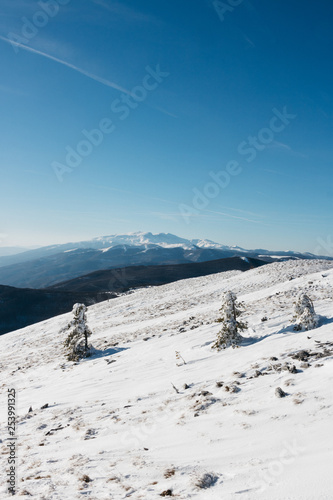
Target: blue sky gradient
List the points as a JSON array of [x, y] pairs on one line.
[[68, 66]]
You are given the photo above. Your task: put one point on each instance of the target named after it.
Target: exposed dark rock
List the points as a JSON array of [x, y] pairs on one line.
[[301, 355], [86, 479], [279, 393]]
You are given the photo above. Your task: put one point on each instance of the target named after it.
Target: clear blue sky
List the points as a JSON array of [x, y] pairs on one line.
[[180, 89]]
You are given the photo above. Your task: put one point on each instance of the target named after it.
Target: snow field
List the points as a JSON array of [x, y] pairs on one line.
[[117, 419]]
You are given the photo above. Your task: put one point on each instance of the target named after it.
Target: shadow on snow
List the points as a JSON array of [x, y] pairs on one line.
[[98, 353]]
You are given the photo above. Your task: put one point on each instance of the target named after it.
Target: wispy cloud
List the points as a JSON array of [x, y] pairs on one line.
[[11, 90], [18, 4], [277, 172], [164, 216], [96, 216], [285, 147], [108, 188], [34, 172], [98, 79], [136, 194], [234, 216], [125, 12], [157, 108], [211, 215], [242, 211], [248, 40]]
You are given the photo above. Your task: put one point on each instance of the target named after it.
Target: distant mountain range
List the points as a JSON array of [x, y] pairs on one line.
[[4, 251], [47, 266]]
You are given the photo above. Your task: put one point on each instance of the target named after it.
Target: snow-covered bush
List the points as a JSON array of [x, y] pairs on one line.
[[304, 313], [76, 342], [229, 334], [206, 480]]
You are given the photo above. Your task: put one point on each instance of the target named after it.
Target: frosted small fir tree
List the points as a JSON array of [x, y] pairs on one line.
[[304, 313], [229, 335], [76, 342]]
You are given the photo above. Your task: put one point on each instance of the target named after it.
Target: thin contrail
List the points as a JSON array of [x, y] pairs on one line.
[[234, 216], [98, 79]]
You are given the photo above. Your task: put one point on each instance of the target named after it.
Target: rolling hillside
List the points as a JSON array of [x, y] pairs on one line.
[[24, 306], [135, 421]]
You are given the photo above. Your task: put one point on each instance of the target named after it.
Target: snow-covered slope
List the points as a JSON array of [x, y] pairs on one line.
[[116, 428]]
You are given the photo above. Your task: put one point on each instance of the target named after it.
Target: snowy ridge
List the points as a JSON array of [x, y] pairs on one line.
[[144, 239], [163, 240], [117, 419], [75, 259]]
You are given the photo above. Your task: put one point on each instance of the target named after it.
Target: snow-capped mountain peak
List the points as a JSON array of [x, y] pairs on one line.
[[165, 240]]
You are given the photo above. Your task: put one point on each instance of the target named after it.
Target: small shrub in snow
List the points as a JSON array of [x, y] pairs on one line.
[[166, 493], [76, 342], [180, 359], [304, 313], [169, 473], [85, 479], [229, 334], [206, 481]]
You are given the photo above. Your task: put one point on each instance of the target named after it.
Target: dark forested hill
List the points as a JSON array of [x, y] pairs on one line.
[[20, 307]]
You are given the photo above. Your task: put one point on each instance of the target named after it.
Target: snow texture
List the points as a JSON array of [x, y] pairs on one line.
[[112, 425]]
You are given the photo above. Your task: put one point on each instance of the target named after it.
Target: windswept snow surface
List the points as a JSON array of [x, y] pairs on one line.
[[117, 419]]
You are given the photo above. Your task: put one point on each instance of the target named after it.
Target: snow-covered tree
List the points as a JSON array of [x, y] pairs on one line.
[[76, 342], [229, 334], [304, 313]]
